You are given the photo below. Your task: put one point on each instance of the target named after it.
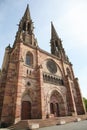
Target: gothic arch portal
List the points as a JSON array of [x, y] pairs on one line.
[[57, 105]]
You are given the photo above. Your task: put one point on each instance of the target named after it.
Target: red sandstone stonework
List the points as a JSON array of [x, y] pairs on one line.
[[30, 87]]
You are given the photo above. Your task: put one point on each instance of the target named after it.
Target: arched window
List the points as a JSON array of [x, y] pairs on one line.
[[56, 43], [29, 59], [24, 26], [29, 27]]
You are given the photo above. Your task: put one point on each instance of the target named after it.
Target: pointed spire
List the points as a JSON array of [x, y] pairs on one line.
[[56, 45], [53, 32], [25, 31], [27, 13]]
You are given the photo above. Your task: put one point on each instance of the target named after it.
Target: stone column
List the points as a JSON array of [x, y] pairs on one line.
[[80, 104]]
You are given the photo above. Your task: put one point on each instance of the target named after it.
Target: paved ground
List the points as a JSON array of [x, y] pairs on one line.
[[82, 125]]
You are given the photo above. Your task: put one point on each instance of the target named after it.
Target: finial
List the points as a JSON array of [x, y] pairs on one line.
[[53, 31], [8, 47], [27, 13]]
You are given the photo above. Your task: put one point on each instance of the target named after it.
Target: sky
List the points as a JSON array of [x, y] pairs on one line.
[[69, 18]]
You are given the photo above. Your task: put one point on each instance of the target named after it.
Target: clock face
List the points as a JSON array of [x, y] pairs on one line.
[[51, 66]]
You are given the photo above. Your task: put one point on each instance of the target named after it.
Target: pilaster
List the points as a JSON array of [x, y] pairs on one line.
[[70, 98]]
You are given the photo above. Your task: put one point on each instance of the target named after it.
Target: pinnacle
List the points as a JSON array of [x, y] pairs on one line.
[[53, 32], [27, 13]]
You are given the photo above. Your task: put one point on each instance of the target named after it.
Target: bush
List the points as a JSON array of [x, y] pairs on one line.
[[85, 102]]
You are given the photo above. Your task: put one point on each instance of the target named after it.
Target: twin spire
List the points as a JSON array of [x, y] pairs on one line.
[[25, 34]]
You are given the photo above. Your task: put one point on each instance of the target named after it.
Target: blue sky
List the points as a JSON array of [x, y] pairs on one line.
[[69, 18]]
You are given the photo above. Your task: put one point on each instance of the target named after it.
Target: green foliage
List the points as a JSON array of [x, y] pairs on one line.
[[85, 102]]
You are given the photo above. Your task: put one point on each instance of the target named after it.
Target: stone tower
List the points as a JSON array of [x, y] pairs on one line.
[[56, 45], [34, 83]]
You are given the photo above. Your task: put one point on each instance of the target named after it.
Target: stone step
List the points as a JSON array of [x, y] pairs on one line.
[[42, 123], [24, 124]]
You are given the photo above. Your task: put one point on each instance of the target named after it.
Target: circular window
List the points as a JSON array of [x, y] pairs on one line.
[[51, 66]]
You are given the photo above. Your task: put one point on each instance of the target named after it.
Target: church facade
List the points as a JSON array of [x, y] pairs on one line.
[[35, 84]]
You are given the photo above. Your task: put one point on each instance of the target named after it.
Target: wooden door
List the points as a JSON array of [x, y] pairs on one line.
[[52, 108], [57, 109], [26, 110]]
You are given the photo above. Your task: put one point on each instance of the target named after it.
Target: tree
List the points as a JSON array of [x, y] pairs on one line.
[[85, 102]]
